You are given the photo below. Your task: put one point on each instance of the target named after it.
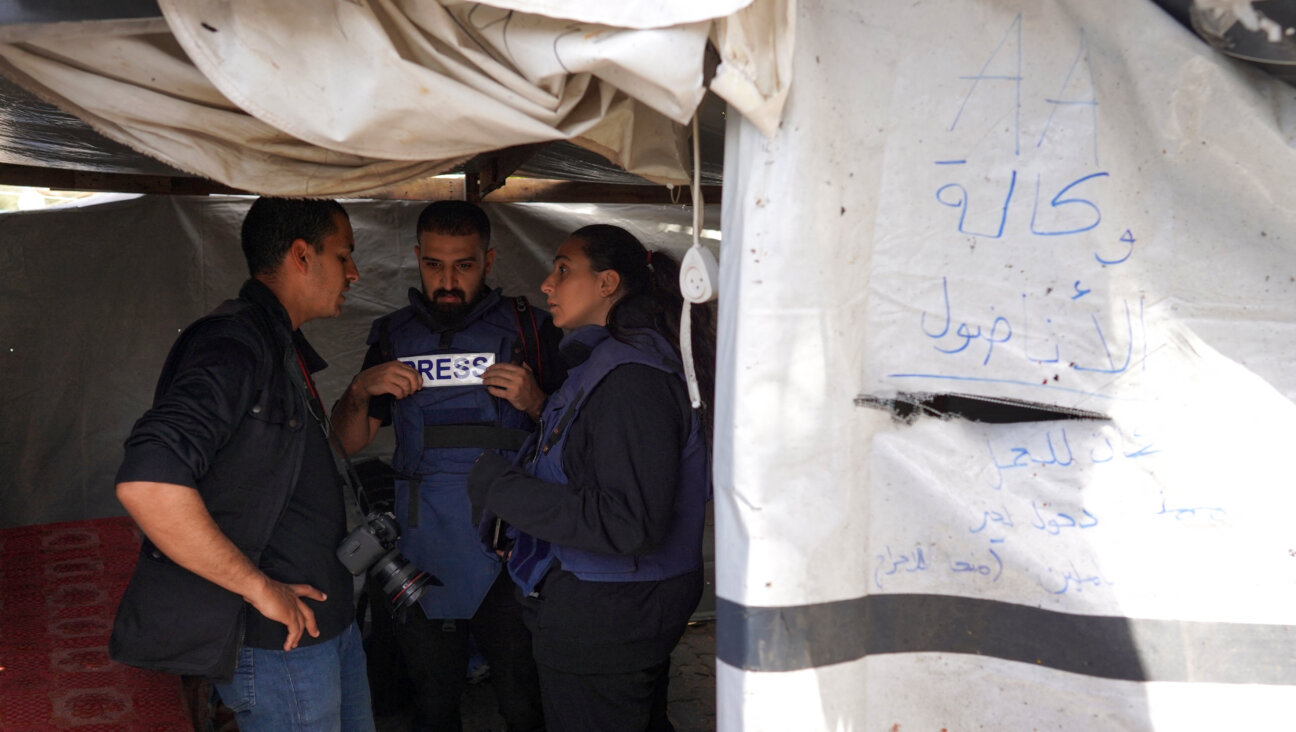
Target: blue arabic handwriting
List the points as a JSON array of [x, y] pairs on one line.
[[1066, 213], [1127, 238], [994, 567], [960, 201], [1072, 580], [1112, 368], [1058, 521], [1058, 202], [1111, 453], [1000, 330], [1070, 220], [1003, 518], [922, 319], [1015, 77], [1057, 451], [893, 564], [1091, 102], [1050, 522], [1005, 66], [984, 564], [1213, 514], [955, 338]]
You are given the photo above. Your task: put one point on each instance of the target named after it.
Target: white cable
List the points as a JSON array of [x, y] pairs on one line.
[[686, 354], [699, 273]]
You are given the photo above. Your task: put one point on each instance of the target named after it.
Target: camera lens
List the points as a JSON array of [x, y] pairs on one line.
[[402, 582]]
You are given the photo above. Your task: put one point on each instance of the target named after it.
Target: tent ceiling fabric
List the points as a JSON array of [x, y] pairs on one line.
[[156, 102], [643, 14], [37, 135], [221, 95], [514, 77]]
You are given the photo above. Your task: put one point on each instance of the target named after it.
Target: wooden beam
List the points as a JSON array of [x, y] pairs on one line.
[[516, 190], [538, 190], [533, 190], [490, 171], [88, 180], [426, 189]]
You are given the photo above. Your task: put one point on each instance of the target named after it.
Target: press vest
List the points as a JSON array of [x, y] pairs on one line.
[[681, 550], [440, 430]]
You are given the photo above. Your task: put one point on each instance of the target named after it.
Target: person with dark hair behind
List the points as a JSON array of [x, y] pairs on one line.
[[231, 478], [607, 506]]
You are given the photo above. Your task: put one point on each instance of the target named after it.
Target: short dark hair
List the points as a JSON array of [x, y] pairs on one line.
[[454, 218], [272, 224]]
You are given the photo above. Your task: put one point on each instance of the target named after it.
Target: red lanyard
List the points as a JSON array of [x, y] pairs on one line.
[[310, 385], [314, 396]]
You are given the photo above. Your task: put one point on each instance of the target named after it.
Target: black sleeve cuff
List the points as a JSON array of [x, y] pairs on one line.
[[155, 463]]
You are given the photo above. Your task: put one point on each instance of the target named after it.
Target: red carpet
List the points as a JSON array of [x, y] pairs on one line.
[[59, 587]]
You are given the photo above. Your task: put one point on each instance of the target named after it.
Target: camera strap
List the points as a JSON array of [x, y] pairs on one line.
[[353, 496]]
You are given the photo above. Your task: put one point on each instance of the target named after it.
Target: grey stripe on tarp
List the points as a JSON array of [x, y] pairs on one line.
[[810, 636]]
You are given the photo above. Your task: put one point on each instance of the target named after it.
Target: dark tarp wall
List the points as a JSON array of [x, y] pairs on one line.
[[93, 297]]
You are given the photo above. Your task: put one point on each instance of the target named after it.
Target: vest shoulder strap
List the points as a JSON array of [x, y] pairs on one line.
[[529, 334]]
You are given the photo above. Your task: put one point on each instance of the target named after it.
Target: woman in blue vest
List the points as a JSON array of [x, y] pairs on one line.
[[605, 509]]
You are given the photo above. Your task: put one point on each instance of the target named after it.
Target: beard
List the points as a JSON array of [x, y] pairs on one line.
[[449, 306], [451, 312]]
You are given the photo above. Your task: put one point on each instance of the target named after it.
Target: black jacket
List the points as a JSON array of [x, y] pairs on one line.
[[622, 460], [229, 419]]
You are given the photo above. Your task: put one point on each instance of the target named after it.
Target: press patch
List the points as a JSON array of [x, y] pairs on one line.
[[450, 369]]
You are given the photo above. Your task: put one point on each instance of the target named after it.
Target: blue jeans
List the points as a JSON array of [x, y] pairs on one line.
[[319, 688]]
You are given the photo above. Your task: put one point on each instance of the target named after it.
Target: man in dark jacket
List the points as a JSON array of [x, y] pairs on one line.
[[231, 478], [461, 370]]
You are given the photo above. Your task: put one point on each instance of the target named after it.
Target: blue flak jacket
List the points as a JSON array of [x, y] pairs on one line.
[[440, 431], [681, 549]]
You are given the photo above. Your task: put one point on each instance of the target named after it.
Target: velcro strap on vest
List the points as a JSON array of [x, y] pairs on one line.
[[484, 436]]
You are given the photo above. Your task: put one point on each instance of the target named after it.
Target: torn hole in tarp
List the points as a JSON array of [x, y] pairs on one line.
[[908, 406]]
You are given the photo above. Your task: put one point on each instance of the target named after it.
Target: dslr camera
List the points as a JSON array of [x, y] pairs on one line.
[[372, 547]]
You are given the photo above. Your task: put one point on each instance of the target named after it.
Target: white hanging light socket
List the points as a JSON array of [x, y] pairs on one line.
[[699, 273]]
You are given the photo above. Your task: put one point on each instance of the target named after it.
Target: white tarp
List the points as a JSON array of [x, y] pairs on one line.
[[755, 72], [93, 297], [300, 97], [1076, 205], [645, 14]]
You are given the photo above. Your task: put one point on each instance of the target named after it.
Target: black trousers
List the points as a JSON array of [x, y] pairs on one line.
[[606, 702], [436, 653], [604, 648]]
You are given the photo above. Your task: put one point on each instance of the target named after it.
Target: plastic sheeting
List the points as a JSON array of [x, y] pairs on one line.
[[367, 96], [1074, 206], [38, 134], [95, 295], [1256, 31]]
